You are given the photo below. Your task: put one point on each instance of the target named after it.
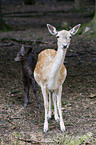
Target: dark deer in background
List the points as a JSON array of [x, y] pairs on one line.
[[27, 68]]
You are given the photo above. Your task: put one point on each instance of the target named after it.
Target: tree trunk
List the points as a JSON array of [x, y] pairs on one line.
[[79, 4], [90, 28]]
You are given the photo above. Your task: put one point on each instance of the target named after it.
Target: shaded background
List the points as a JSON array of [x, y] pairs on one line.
[[26, 24]]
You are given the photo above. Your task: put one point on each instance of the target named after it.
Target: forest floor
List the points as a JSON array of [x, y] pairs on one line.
[[20, 126]]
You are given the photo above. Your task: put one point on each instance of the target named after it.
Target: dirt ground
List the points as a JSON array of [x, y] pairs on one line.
[[21, 126]]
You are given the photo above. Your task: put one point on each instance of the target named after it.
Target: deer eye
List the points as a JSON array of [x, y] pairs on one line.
[[57, 36]]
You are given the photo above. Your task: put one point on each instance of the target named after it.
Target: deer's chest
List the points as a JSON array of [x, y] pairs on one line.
[[53, 82]]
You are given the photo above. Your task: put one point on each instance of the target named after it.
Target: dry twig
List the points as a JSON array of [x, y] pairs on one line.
[[34, 141]]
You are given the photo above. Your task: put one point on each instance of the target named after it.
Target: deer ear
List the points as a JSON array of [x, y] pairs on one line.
[[22, 48], [52, 29], [74, 30]]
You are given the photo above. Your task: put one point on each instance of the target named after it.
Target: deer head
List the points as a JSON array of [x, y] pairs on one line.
[[22, 54], [63, 36]]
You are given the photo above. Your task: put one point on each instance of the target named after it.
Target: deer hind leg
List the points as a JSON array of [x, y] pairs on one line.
[[55, 106], [45, 96], [26, 90], [62, 126], [49, 113]]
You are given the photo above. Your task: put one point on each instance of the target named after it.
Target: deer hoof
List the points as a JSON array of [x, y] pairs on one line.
[[62, 126], [45, 127], [39, 106], [25, 105]]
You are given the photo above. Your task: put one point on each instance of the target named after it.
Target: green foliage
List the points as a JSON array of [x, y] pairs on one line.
[[78, 140], [16, 143]]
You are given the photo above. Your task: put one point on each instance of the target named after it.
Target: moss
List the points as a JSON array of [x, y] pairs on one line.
[[89, 30]]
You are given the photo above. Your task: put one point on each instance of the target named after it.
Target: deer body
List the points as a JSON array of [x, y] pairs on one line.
[[50, 73], [27, 67], [53, 67]]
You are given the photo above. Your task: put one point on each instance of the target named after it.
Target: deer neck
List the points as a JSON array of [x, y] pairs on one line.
[[58, 61], [24, 66]]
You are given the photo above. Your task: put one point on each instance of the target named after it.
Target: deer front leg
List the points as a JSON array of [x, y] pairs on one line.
[[26, 90], [49, 113], [45, 96], [62, 126], [55, 107]]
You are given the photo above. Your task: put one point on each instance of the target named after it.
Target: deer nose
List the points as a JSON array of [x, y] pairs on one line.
[[64, 45]]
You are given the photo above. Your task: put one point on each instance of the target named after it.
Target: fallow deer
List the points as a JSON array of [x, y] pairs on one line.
[[50, 73], [27, 69]]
